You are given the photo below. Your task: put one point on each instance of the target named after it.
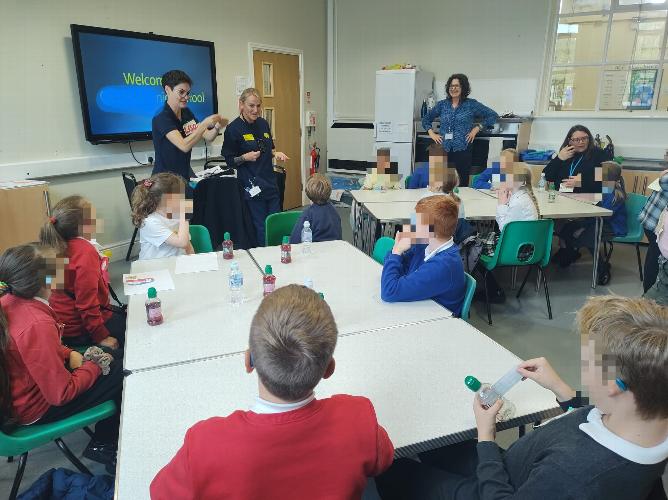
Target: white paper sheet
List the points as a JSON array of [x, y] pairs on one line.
[[654, 185], [139, 283], [196, 263]]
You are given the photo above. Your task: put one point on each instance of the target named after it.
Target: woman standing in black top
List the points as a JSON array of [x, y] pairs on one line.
[[575, 165]]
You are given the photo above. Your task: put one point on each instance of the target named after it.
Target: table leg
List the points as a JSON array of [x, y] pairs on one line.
[[356, 223], [597, 246], [522, 430]]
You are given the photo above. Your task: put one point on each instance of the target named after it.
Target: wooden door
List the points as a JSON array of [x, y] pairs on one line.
[[277, 80]]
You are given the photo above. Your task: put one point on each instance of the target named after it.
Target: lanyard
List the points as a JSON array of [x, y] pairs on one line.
[[573, 168]]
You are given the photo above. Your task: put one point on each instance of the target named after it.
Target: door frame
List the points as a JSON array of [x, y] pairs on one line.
[[252, 46]]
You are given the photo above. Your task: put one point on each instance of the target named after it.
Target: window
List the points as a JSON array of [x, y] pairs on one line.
[[610, 55]]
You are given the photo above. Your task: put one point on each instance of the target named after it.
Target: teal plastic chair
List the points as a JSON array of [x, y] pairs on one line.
[[634, 231], [200, 239], [278, 225], [407, 181], [468, 298], [381, 248], [27, 438], [473, 179], [515, 235]]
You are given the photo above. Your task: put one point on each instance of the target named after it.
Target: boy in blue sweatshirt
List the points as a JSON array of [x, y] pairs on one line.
[[425, 262], [323, 217]]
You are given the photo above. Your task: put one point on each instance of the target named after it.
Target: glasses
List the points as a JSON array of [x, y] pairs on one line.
[[455, 87], [183, 93], [577, 140]]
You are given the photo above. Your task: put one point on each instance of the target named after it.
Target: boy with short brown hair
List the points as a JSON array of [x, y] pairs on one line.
[[323, 219], [290, 445]]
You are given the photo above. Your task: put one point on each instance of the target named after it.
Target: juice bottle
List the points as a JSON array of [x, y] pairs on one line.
[[286, 250], [153, 308], [268, 280], [228, 247]]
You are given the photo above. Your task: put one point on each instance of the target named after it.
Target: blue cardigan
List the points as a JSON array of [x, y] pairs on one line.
[[325, 223], [419, 177], [408, 278]]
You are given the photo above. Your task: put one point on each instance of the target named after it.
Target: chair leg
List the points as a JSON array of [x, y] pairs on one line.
[[489, 309], [70, 456], [19, 475], [10, 460], [547, 292], [132, 242], [90, 433], [524, 282], [639, 261]]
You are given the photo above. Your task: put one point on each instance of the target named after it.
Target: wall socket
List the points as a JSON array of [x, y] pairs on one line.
[[148, 157]]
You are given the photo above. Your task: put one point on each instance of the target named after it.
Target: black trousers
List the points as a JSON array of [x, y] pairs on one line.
[[651, 269], [116, 326], [106, 387], [445, 473], [462, 161]]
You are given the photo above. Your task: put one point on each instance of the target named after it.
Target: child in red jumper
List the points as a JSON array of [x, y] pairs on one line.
[[290, 445], [83, 304], [42, 381]]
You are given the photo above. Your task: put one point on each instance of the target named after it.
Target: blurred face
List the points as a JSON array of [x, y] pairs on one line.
[[579, 141], [91, 223], [436, 171], [250, 109], [172, 203], [382, 164], [54, 278], [178, 96], [455, 88], [597, 377], [421, 229]]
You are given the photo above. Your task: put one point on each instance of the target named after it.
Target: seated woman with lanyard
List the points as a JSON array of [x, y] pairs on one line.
[[574, 168], [249, 147], [176, 131]]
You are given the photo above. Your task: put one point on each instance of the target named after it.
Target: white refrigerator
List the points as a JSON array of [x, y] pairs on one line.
[[399, 97]]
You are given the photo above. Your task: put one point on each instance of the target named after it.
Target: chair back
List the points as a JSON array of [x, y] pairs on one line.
[[278, 225], [200, 239], [473, 179], [468, 297], [129, 181], [381, 248], [407, 181], [512, 249], [634, 205]]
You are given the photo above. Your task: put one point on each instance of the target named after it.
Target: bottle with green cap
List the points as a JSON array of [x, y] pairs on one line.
[[228, 247], [490, 394], [153, 308], [286, 250], [268, 280]]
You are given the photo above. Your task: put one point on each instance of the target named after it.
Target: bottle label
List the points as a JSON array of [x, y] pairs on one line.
[[236, 281], [154, 313], [285, 255], [268, 287]]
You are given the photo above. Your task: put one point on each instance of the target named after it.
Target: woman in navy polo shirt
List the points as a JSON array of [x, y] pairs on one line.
[[249, 147], [461, 120], [175, 128]]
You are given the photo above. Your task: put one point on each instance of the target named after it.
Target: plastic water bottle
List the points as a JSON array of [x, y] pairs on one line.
[[236, 284], [541, 182], [153, 308], [307, 237], [490, 394]]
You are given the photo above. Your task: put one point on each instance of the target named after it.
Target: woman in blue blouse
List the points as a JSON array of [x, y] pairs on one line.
[[461, 120]]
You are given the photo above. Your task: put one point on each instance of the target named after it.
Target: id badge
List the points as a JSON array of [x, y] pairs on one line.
[[565, 189], [448, 136], [254, 191]]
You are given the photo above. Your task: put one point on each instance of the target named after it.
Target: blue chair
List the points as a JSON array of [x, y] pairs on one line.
[[468, 297], [634, 231]]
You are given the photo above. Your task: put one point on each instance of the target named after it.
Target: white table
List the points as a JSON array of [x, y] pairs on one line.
[[414, 375], [350, 281], [199, 320]]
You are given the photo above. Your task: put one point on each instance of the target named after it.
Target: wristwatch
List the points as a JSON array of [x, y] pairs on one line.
[[480, 126]]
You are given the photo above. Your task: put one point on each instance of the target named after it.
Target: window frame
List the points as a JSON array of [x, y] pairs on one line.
[[602, 65]]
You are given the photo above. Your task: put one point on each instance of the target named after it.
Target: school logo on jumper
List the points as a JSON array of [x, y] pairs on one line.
[[189, 127]]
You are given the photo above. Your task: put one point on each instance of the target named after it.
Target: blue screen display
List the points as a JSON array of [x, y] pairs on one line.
[[122, 80]]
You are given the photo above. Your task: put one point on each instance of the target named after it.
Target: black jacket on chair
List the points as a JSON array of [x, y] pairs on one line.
[[218, 205]]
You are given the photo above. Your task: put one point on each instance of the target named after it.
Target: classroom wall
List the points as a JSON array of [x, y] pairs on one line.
[[42, 125], [482, 38]]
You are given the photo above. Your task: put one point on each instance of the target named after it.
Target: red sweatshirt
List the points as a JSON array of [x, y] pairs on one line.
[[36, 360], [85, 279], [325, 450]]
